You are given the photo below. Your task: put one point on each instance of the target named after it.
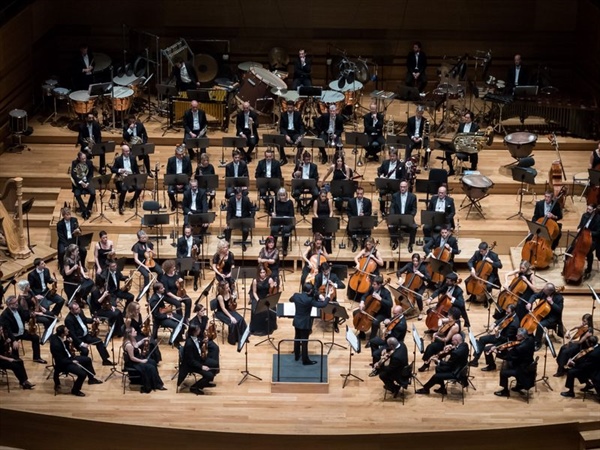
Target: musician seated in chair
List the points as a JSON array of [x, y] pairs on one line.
[[178, 164], [403, 202], [373, 125], [238, 207], [32, 303], [486, 255], [39, 279], [416, 268], [504, 330], [268, 168], [125, 165], [173, 284], [306, 170], [443, 240], [584, 367], [340, 171], [313, 255], [292, 127], [90, 134], [201, 321], [468, 126], [163, 314], [378, 292], [67, 230], [195, 361], [441, 203], [194, 202], [195, 125], [415, 130], [82, 172], [283, 207], [395, 327], [391, 169], [393, 373], [7, 362], [519, 359], [77, 323], [451, 289], [246, 126], [448, 327], [14, 320], [550, 208], [103, 304], [135, 133], [591, 222], [369, 251], [234, 169], [325, 282], [206, 168], [357, 207], [113, 278], [330, 127], [416, 67], [188, 246], [553, 320]]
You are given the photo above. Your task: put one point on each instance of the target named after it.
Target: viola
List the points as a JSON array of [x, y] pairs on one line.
[[502, 347], [360, 281], [362, 319], [579, 331], [575, 259], [477, 285], [149, 259]]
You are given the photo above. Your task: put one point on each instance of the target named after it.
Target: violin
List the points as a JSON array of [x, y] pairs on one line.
[[363, 319], [579, 355], [502, 347], [204, 349], [442, 354], [579, 331], [390, 326], [538, 251], [539, 309], [504, 323], [477, 285], [443, 330], [385, 357], [52, 292], [232, 304], [95, 331], [211, 330], [149, 259], [129, 281], [575, 258], [360, 281]]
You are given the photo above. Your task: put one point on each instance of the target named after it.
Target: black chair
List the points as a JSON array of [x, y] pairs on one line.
[[4, 374], [214, 306], [150, 206], [407, 376], [179, 359], [51, 368], [461, 379], [528, 380]]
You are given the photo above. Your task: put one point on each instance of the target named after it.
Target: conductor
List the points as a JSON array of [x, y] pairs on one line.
[[303, 322]]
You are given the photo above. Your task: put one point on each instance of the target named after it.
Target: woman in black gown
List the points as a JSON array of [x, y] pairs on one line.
[[265, 322], [151, 380], [226, 312], [323, 207]]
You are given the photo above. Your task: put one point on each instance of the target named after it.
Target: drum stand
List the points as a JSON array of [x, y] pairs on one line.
[[499, 128], [54, 114]]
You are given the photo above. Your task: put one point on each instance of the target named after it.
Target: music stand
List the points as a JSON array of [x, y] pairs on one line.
[[524, 175], [243, 342], [429, 187], [433, 219], [169, 91], [397, 140], [208, 182], [197, 143], [475, 349], [244, 273], [388, 185], [102, 148], [143, 150], [355, 138], [342, 190], [238, 223], [325, 225], [276, 140], [361, 226], [548, 342], [137, 182], [312, 142], [109, 340], [354, 348], [174, 180], [25, 209], [409, 94], [197, 222], [176, 331], [155, 220], [100, 183], [418, 341], [266, 305], [338, 312], [303, 185], [269, 185], [46, 335], [237, 182], [233, 142], [440, 267]]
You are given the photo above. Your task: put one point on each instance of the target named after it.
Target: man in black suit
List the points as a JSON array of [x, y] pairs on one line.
[[187, 244], [505, 330], [125, 165], [292, 127], [302, 71], [441, 203], [517, 75], [246, 126], [330, 127], [467, 126], [39, 279], [544, 208], [82, 172], [113, 278], [459, 355], [392, 169], [14, 321], [77, 323], [83, 69], [373, 124], [416, 65], [518, 362], [238, 207], [66, 230], [200, 320], [393, 373], [268, 168], [591, 222], [90, 134], [485, 253], [234, 169], [378, 292], [161, 316], [64, 361], [194, 201], [451, 289], [178, 164], [193, 362], [185, 75], [195, 126], [415, 130], [403, 202], [356, 207], [306, 170], [304, 302], [395, 326], [446, 240], [134, 132], [585, 368], [554, 318]]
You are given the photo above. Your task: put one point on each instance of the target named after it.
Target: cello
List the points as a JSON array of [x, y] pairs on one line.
[[476, 285], [539, 309], [442, 254], [362, 319], [440, 311], [538, 251], [556, 173], [593, 193], [512, 295], [315, 262], [360, 281], [575, 258]]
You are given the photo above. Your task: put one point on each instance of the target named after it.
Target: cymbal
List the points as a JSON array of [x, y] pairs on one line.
[[362, 71], [207, 67]]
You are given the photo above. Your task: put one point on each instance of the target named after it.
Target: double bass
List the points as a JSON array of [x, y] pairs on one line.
[[538, 251], [557, 174], [476, 285], [575, 259], [363, 319]]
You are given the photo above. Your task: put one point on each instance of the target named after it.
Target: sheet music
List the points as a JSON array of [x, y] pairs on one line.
[[289, 310]]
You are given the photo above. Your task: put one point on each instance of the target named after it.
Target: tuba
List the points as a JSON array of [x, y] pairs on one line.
[[469, 142]]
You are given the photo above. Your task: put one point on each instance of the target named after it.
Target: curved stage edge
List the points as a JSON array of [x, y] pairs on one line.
[[32, 431]]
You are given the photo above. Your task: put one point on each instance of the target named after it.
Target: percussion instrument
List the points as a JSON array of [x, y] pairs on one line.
[[285, 96], [252, 90], [103, 62], [520, 144], [351, 91], [207, 67], [268, 78], [500, 84], [122, 98], [246, 66], [18, 121], [455, 92], [331, 98], [125, 80], [281, 74], [60, 93], [81, 102], [48, 87], [491, 81], [476, 186]]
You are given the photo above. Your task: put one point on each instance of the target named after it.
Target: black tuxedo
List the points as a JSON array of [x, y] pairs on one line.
[[119, 164], [473, 157], [411, 131], [508, 333], [385, 311], [303, 322], [313, 174], [188, 125], [115, 287], [77, 181], [586, 368], [64, 362], [64, 241], [81, 80], [182, 246], [523, 79], [384, 170], [352, 211], [186, 169], [302, 73], [538, 213], [553, 319], [201, 204], [181, 85], [496, 264], [458, 302], [594, 228], [250, 134], [409, 208], [435, 243], [84, 133], [161, 319], [284, 124], [79, 337], [322, 125], [451, 368], [449, 211], [242, 170], [192, 362], [11, 327], [261, 169], [36, 287], [140, 131], [414, 65], [393, 371], [374, 132], [231, 211], [519, 360]]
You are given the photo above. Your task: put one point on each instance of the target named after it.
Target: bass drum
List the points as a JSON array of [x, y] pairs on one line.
[[255, 92]]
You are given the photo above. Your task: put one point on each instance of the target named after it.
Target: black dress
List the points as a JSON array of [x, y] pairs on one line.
[[226, 266], [265, 322], [103, 256], [136, 324], [323, 210], [235, 331], [148, 371], [274, 268]]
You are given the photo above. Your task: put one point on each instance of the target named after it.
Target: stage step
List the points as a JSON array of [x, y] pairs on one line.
[[590, 439]]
